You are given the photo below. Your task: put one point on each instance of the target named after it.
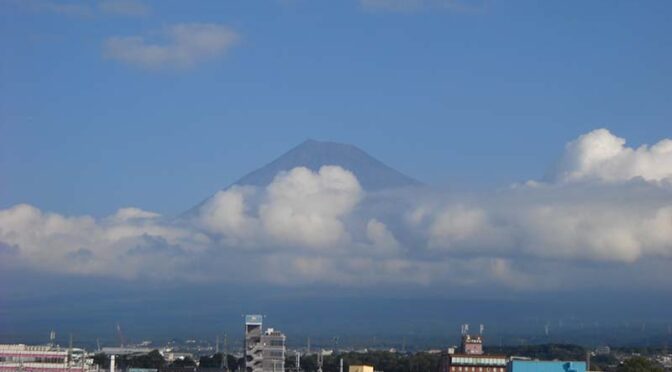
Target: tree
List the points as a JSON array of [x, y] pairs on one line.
[[183, 363], [152, 360], [213, 361], [639, 364]]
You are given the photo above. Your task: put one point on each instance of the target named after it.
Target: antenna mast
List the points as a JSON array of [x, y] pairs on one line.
[[120, 334]]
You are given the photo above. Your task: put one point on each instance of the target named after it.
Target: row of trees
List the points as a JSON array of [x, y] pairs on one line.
[[384, 361], [151, 360]]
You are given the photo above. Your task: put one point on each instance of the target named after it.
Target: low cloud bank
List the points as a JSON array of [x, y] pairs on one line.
[[604, 217]]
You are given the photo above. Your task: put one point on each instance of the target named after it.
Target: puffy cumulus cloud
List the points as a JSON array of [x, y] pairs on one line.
[[454, 225], [321, 227], [381, 237], [183, 45], [300, 208], [226, 215], [602, 156], [84, 245], [305, 208], [557, 224]]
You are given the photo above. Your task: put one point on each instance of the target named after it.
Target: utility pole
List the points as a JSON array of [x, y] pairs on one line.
[[70, 352], [319, 361], [225, 357], [587, 360]]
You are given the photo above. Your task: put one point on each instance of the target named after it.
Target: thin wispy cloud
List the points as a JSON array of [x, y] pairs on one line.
[[320, 227], [178, 46], [129, 8], [84, 9], [416, 5], [65, 8]]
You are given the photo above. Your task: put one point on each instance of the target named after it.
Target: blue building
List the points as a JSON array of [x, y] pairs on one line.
[[545, 366]]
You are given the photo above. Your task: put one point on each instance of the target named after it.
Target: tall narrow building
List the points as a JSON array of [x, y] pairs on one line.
[[253, 346], [273, 343]]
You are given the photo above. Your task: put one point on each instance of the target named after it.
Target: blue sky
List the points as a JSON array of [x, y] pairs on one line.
[[481, 94], [115, 111]]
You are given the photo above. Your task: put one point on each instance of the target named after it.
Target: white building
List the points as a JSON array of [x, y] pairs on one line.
[[253, 347], [28, 358], [273, 350]]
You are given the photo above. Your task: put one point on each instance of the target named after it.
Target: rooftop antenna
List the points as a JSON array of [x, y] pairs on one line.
[[465, 329]]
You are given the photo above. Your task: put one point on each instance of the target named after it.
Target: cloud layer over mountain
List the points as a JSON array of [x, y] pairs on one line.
[[605, 211]]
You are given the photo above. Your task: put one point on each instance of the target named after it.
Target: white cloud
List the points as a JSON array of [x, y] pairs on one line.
[[602, 156], [65, 8], [304, 207], [181, 46], [125, 214], [457, 224], [381, 237], [226, 214], [320, 227], [84, 245], [300, 208], [84, 9], [414, 5]]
